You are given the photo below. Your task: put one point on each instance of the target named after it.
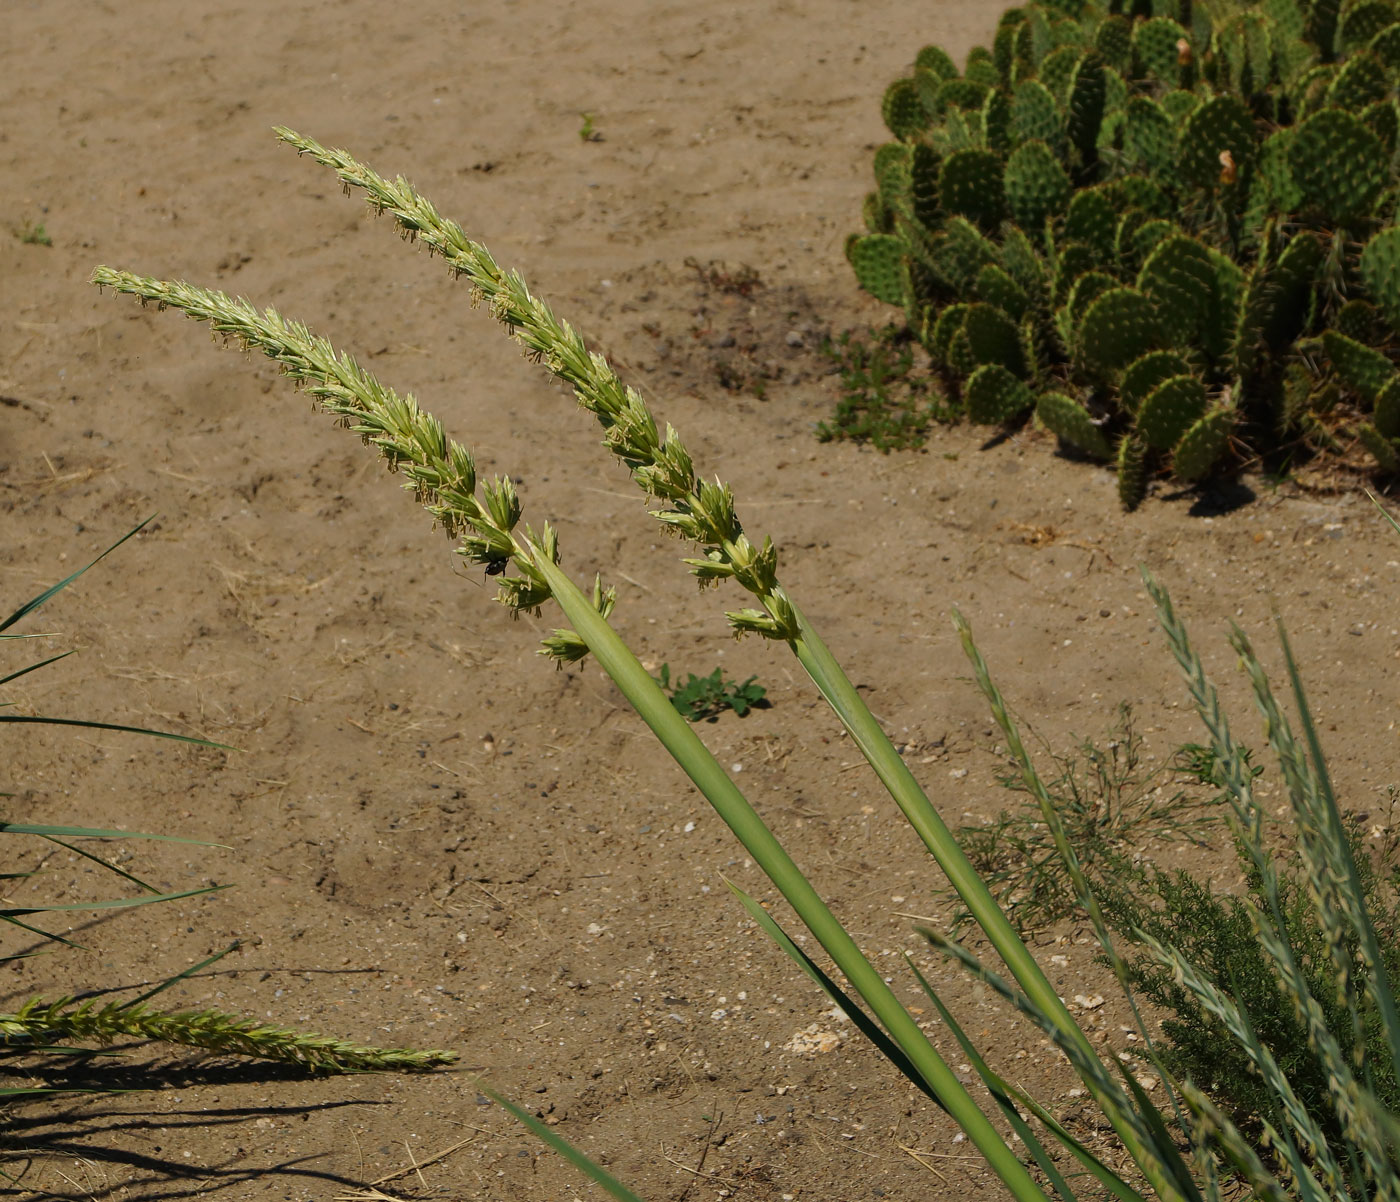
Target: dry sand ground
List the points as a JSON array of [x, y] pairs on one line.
[[436, 838]]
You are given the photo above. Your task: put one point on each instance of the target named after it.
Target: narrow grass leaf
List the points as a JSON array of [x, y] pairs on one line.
[[43, 663], [863, 1022], [180, 976], [135, 730], [31, 605], [595, 1172]]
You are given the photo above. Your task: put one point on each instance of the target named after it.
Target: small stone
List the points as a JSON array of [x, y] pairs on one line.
[[794, 338]]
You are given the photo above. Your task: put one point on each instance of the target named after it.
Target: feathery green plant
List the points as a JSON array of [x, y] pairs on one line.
[[1111, 804], [704, 698], [1174, 1158]]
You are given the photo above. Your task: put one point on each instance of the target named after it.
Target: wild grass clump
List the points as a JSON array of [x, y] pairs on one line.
[[1112, 806], [1178, 1152]]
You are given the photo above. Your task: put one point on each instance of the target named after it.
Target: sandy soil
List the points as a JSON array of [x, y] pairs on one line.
[[436, 838]]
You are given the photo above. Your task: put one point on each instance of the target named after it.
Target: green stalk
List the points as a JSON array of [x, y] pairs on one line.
[[677, 736], [894, 773]]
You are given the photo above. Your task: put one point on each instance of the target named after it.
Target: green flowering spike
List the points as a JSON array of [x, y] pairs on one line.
[[923, 184], [1143, 375], [1217, 127], [1362, 23], [1022, 263], [994, 395], [1383, 121], [948, 324], [1386, 451], [1277, 303], [903, 110], [1202, 446], [1114, 41], [1035, 185], [981, 67], [878, 260], [1169, 410], [971, 184], [1380, 271], [1057, 71], [1074, 260], [1035, 115], [996, 122], [1156, 50], [1387, 411], [1068, 419], [1087, 92], [1180, 276], [1339, 165], [1092, 219], [1132, 471], [1149, 136], [997, 288], [935, 59], [1362, 370], [1118, 327], [993, 337], [1360, 321], [1360, 82], [1386, 46]]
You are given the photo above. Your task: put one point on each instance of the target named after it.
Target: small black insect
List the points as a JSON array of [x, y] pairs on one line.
[[494, 567]]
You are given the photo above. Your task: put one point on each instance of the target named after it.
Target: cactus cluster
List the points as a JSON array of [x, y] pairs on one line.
[[1165, 227]]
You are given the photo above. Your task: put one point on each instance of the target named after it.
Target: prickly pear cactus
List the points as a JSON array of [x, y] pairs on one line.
[[1171, 229]]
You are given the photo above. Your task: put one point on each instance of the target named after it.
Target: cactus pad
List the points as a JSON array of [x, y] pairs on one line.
[[949, 323], [1036, 186], [1363, 371], [1202, 446], [1119, 326], [1180, 276], [1035, 114], [903, 110], [1149, 137], [1067, 418], [997, 288], [993, 395], [1220, 126], [1363, 22], [879, 263], [1169, 410], [971, 185], [1361, 82], [1143, 375], [994, 337], [1155, 48], [1380, 269], [1093, 220], [1087, 92], [1338, 164], [1385, 450], [1132, 471], [1387, 411], [935, 59]]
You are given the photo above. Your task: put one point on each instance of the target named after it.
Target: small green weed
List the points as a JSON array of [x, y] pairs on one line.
[[34, 234], [884, 401], [588, 132], [1111, 804], [705, 698]]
